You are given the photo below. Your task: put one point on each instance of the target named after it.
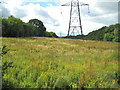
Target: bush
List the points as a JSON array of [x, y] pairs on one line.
[[50, 34], [108, 37], [5, 66]]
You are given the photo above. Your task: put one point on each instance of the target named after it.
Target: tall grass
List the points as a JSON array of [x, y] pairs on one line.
[[40, 62]]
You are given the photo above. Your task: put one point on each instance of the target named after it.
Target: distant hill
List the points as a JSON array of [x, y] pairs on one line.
[[110, 33]]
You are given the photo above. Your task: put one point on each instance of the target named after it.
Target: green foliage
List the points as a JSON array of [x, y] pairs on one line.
[[4, 50], [108, 37], [6, 65], [5, 27], [29, 30], [10, 27], [39, 25], [50, 34], [14, 27], [96, 35], [110, 33]]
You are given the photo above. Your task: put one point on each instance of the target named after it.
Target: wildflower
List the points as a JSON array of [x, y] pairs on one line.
[[38, 64], [74, 86], [113, 81]]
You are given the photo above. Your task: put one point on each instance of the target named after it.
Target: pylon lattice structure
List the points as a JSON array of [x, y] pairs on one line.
[[75, 19]]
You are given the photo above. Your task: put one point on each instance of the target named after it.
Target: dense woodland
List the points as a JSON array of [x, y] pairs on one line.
[[111, 33], [14, 27]]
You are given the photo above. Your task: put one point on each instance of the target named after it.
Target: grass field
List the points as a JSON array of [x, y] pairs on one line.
[[41, 62]]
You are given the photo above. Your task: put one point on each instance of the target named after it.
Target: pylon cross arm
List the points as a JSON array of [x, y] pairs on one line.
[[66, 4]]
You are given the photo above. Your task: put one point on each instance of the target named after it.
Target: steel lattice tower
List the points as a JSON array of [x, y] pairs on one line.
[[75, 18]]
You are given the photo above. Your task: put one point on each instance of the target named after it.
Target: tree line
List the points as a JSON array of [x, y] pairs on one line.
[[110, 33], [14, 27]]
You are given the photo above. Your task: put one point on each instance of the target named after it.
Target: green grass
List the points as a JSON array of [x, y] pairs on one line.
[[41, 62]]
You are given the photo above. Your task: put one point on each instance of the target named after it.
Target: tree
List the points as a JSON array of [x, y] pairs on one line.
[[108, 37], [111, 33], [5, 27], [29, 30], [116, 34], [16, 26], [50, 34], [12, 27], [39, 25]]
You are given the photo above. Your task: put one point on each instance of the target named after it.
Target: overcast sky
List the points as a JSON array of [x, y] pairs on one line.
[[56, 18]]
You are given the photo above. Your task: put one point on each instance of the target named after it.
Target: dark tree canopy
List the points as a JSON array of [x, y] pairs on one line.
[[50, 34], [14, 27], [39, 25]]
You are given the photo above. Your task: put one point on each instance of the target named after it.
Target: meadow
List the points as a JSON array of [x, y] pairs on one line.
[[41, 62]]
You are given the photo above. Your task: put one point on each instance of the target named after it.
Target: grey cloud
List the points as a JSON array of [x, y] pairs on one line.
[[20, 13], [108, 7], [108, 20], [108, 0], [119, 12], [47, 18], [42, 12], [103, 12], [5, 11], [104, 7]]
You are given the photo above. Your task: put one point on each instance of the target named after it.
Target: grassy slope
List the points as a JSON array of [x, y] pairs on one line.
[[49, 62]]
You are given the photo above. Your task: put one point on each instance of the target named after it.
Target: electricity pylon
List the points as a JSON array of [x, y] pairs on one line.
[[75, 19]]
